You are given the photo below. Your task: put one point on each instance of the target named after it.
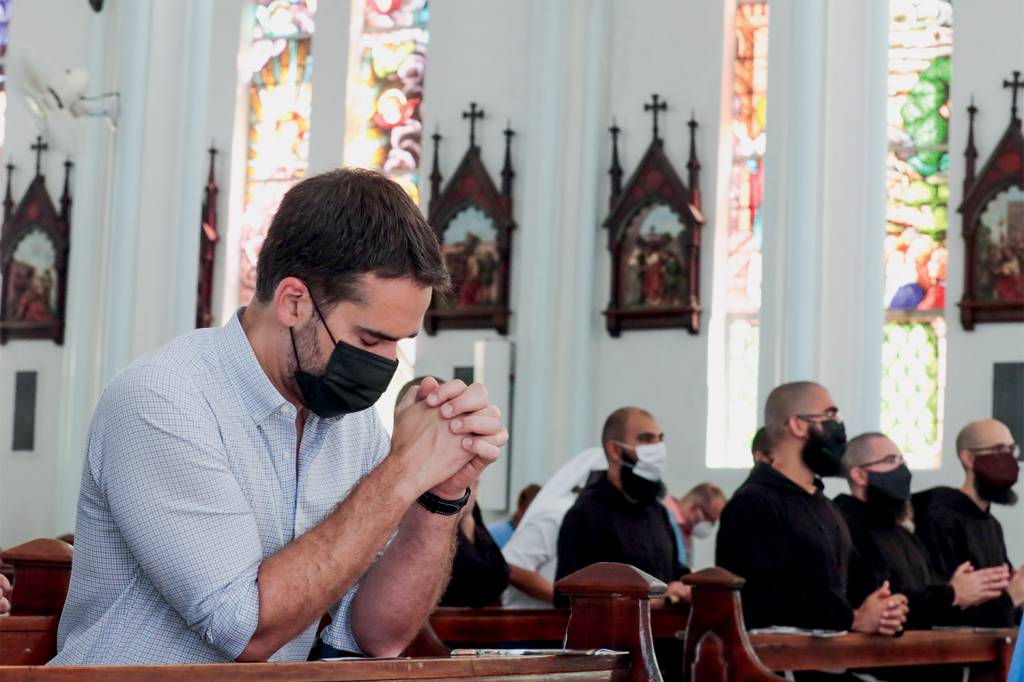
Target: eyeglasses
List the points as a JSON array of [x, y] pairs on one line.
[[893, 458], [831, 414], [1005, 448]]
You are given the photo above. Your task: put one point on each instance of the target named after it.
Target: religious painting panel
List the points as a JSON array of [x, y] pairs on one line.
[[473, 221], [32, 280], [654, 266], [34, 260], [999, 249], [654, 227], [473, 259]]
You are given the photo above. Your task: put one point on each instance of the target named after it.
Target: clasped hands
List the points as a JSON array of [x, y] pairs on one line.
[[447, 434]]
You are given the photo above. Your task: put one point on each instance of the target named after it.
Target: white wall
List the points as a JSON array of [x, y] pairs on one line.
[[135, 223], [26, 477], [987, 48]]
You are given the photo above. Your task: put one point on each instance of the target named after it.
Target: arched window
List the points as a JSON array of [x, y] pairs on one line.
[[277, 67], [742, 284], [917, 194]]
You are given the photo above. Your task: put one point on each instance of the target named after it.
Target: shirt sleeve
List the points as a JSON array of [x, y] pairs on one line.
[[178, 506], [533, 543], [339, 633]]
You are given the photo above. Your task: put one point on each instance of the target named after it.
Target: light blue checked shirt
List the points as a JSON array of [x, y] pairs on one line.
[[189, 483]]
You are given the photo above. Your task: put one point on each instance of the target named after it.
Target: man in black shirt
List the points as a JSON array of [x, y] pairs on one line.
[[618, 517], [877, 511], [957, 526], [786, 538], [479, 571]]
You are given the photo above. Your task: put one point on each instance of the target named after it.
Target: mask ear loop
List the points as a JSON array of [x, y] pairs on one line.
[[321, 316]]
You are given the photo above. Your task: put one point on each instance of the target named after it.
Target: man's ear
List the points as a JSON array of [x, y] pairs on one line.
[[612, 451], [798, 427], [858, 476], [966, 459], [292, 304]]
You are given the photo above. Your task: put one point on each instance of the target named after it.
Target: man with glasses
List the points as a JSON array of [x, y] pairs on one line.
[[877, 511], [957, 525], [786, 538]]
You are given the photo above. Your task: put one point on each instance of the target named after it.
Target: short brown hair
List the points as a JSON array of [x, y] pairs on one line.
[[332, 228]]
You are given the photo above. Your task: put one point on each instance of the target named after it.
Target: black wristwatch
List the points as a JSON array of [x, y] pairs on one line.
[[433, 503]]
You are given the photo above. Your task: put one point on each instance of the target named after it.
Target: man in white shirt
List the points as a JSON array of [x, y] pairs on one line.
[[532, 551]]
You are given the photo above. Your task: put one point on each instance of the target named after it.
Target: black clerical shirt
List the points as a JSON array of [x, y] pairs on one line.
[[793, 548], [885, 550], [605, 526], [955, 530], [479, 571]]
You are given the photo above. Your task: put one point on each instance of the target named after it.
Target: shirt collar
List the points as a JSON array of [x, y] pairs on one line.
[[260, 397]]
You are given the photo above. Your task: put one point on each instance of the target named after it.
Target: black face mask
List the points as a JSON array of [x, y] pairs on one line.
[[893, 484], [887, 496], [823, 451], [353, 380], [638, 488]]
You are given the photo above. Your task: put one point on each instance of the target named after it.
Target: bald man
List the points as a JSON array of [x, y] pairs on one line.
[[877, 511], [787, 539], [618, 517], [957, 525]]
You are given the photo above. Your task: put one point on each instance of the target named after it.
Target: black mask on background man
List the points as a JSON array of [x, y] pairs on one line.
[[823, 451], [353, 380], [887, 495], [995, 476]]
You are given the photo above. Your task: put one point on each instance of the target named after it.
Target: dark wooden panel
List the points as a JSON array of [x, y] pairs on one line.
[[1008, 396], [25, 410], [857, 650], [495, 668]]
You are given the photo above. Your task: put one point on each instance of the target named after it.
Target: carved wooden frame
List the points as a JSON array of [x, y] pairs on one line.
[[471, 186], [1003, 169], [208, 238], [655, 181], [36, 211]]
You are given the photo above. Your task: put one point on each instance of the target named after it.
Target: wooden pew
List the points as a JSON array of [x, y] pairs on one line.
[[41, 572], [491, 626], [718, 648], [609, 611]]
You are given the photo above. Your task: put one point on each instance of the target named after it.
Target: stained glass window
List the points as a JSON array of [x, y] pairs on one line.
[[278, 68], [743, 252], [917, 219], [386, 95], [385, 133]]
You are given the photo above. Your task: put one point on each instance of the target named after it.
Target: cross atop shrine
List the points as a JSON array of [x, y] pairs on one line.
[[39, 147], [656, 105], [1016, 84], [473, 114]]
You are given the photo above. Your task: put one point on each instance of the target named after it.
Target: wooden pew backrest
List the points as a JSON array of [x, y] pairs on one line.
[[610, 607], [42, 573], [716, 648]]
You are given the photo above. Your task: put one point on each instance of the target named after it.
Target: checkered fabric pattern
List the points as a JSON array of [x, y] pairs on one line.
[[190, 481]]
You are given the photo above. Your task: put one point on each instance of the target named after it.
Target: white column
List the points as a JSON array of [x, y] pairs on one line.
[[794, 202], [133, 24], [333, 44], [852, 283]]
